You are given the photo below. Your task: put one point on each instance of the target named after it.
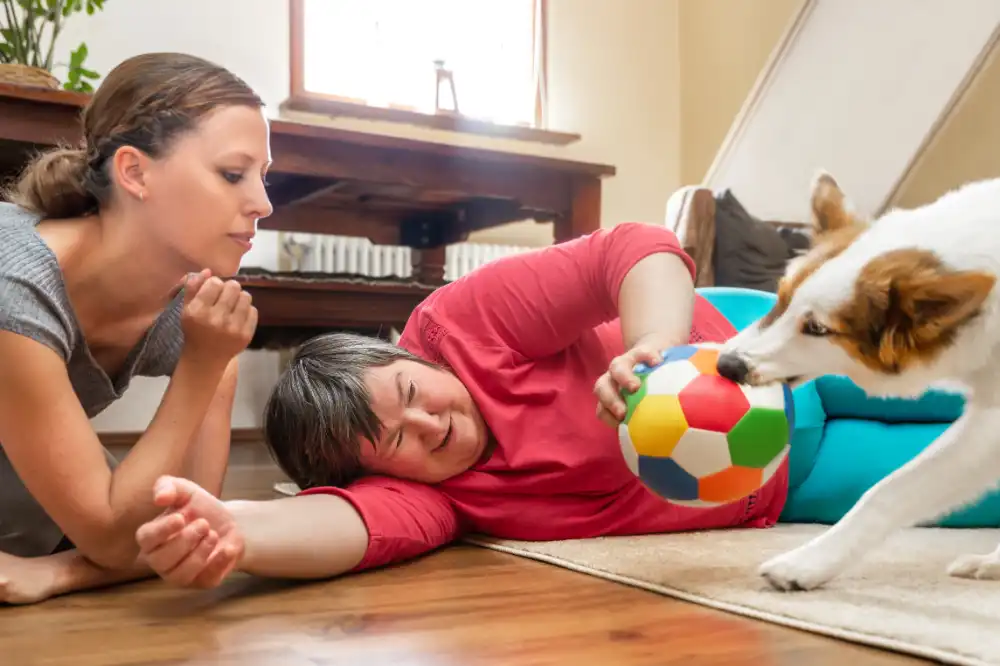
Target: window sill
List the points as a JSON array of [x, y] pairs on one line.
[[331, 106]]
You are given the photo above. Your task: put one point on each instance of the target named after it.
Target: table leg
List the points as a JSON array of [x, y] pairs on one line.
[[428, 264], [585, 211]]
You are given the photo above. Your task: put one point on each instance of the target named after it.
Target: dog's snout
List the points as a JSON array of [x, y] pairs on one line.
[[733, 368]]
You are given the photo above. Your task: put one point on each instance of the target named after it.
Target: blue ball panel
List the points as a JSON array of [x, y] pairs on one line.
[[667, 479], [682, 353]]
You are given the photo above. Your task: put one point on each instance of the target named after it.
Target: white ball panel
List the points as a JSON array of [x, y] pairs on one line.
[[771, 395], [773, 466], [670, 378], [628, 449], [702, 452]]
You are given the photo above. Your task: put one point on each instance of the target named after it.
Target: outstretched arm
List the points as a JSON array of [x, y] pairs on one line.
[[316, 535]]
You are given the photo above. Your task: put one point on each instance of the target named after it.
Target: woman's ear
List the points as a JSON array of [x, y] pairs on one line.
[[129, 168]]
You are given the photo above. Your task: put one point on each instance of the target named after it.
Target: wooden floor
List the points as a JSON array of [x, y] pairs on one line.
[[463, 605]]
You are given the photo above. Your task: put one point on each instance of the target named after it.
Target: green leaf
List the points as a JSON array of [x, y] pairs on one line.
[[77, 57]]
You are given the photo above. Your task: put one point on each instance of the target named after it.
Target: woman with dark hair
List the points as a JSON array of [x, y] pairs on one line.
[[97, 241], [483, 419]]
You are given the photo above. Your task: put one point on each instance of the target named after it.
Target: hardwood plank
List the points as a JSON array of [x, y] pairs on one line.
[[461, 605]]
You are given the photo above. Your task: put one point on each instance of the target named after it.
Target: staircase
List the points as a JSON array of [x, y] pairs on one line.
[[857, 87]]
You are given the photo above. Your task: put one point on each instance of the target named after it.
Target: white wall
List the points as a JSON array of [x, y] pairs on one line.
[[614, 77], [857, 92]]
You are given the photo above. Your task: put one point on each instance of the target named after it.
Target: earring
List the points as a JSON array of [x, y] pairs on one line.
[[142, 197]]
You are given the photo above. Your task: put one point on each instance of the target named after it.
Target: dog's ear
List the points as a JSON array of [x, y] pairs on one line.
[[909, 305], [937, 300], [828, 207]]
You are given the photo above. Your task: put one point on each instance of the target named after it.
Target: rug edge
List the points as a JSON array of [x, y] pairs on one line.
[[870, 640]]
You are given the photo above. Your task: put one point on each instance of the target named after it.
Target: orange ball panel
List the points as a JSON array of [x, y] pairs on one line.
[[730, 484]]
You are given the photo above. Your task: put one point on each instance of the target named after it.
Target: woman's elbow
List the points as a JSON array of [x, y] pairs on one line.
[[114, 557], [109, 549]]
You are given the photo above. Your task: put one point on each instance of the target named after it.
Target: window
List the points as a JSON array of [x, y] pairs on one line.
[[377, 59]]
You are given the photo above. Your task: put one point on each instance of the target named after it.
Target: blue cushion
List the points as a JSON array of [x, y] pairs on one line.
[[844, 441], [842, 398], [741, 307]]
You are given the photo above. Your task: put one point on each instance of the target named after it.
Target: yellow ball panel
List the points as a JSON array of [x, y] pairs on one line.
[[657, 425]]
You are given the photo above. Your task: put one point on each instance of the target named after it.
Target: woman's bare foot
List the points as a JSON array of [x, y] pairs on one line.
[[31, 580], [27, 580]]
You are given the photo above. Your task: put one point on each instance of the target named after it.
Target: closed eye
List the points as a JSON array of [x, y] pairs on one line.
[[411, 391]]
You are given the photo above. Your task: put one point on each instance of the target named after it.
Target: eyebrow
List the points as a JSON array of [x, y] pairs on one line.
[[244, 156]]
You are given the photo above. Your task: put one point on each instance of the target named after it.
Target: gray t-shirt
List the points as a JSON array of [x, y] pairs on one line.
[[34, 303]]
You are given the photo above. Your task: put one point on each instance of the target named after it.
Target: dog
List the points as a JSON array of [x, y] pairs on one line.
[[900, 304]]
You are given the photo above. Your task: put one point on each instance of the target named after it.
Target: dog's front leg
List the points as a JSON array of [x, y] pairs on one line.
[[954, 470], [973, 565]]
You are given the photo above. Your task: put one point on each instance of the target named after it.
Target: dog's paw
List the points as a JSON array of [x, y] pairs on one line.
[[800, 570], [978, 567]]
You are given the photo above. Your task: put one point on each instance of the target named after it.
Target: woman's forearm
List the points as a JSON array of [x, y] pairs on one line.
[[162, 449], [656, 301], [208, 456], [310, 536]]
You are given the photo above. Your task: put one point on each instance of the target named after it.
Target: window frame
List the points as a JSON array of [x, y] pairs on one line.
[[304, 100]]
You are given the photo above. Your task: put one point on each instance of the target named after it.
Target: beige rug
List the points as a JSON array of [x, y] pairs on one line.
[[900, 598]]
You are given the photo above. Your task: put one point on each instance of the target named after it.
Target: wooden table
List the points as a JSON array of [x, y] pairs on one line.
[[390, 190]]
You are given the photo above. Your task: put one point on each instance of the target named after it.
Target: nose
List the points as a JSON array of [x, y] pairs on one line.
[[427, 426], [733, 368], [260, 203]]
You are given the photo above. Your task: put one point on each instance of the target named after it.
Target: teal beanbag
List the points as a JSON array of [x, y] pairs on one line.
[[845, 441]]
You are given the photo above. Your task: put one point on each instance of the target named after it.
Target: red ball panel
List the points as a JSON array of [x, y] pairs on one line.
[[711, 402]]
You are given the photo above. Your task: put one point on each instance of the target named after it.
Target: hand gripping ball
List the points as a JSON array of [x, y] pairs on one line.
[[698, 439]]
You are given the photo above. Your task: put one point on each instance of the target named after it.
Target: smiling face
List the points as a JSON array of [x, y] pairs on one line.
[[202, 198], [432, 429], [848, 308]]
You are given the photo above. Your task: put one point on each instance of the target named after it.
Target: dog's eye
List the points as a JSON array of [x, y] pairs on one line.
[[814, 329]]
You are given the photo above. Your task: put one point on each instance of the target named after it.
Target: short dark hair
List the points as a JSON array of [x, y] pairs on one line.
[[320, 407]]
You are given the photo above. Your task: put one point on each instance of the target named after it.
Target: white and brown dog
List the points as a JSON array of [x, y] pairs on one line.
[[900, 305]]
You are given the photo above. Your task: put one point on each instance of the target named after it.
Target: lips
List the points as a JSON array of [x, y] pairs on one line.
[[245, 240]]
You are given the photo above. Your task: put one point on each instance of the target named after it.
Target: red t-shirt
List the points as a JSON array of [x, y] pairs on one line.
[[529, 335]]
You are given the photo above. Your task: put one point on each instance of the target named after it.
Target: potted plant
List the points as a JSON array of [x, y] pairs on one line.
[[29, 30]]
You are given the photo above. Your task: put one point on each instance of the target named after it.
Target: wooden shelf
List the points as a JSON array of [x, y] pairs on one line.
[[295, 306]]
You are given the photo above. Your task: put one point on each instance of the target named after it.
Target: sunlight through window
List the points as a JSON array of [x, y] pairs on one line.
[[382, 53]]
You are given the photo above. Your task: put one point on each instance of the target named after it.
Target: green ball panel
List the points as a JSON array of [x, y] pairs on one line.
[[632, 400], [758, 437]]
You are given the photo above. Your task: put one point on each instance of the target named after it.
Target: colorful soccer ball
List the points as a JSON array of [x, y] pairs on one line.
[[698, 439]]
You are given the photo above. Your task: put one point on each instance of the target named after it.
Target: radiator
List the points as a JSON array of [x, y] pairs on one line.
[[346, 254]]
